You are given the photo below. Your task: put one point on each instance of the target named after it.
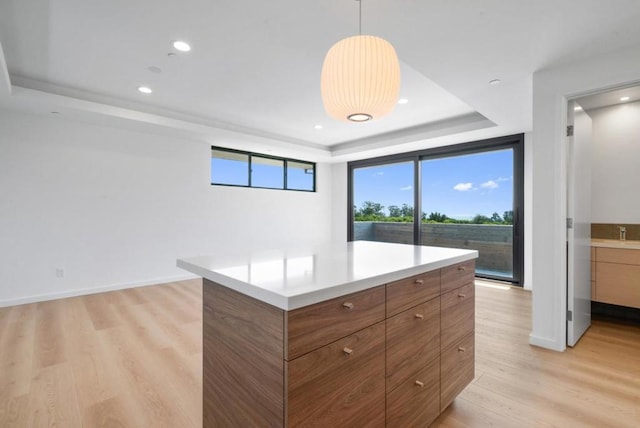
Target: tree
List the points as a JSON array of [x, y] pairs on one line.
[[437, 217], [508, 217], [480, 219], [406, 211], [495, 217], [394, 211], [372, 209]]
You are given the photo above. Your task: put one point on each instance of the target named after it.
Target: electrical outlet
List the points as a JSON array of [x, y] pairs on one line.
[[59, 273]]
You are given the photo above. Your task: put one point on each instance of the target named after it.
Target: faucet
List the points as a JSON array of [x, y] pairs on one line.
[[623, 233]]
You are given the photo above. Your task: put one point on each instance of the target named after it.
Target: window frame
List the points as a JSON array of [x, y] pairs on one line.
[[514, 142], [285, 167]]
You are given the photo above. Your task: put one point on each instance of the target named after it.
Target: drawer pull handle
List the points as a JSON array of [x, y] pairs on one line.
[[347, 305], [462, 295], [461, 349], [419, 281], [462, 268], [347, 351], [420, 384], [420, 316]]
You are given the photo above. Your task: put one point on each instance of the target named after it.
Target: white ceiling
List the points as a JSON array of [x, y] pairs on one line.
[[609, 98], [254, 69]]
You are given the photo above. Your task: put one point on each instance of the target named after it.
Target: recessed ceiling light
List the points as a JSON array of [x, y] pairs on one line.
[[495, 82], [154, 69], [181, 46], [318, 127], [403, 101], [624, 99], [55, 112], [144, 89], [577, 108]]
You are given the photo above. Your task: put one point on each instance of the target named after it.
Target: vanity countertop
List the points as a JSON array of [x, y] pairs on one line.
[[615, 243]]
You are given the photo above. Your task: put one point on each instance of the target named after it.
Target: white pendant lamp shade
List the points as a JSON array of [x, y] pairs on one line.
[[360, 79]]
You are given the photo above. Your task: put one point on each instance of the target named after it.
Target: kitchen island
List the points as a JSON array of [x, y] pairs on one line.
[[355, 334]]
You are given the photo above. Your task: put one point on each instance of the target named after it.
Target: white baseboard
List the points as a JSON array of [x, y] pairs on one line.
[[93, 290], [545, 342]]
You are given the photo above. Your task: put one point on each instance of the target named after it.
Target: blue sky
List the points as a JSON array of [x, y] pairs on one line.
[[460, 186]]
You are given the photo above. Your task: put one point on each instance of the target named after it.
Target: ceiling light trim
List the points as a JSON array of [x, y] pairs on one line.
[[181, 45]]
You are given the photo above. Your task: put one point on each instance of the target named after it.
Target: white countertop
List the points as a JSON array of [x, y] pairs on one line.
[[615, 243], [291, 279]]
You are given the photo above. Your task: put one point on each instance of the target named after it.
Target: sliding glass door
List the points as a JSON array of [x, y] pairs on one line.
[[467, 196], [383, 203], [467, 201]]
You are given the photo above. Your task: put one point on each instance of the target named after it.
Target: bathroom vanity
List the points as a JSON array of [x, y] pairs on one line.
[[357, 334], [615, 272]]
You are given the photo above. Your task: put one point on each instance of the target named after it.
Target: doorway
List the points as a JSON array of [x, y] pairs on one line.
[[612, 178]]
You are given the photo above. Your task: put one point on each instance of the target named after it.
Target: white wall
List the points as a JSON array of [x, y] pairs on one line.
[[115, 208], [551, 88], [339, 195], [615, 170], [528, 211]]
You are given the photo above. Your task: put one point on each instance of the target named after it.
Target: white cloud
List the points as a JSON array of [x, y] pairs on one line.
[[463, 187], [503, 178], [379, 173], [489, 184], [409, 187]]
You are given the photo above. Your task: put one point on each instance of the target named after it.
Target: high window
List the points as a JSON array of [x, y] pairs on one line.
[[246, 169]]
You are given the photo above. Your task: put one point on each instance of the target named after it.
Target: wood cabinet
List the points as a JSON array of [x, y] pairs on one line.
[[341, 384], [404, 294], [416, 400], [457, 369], [313, 326], [413, 340], [593, 273], [395, 355], [617, 276], [458, 317]]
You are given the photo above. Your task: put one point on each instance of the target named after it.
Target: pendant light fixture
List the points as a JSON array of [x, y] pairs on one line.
[[360, 78]]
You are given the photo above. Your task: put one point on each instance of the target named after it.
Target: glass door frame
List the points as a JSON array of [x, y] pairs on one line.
[[514, 142]]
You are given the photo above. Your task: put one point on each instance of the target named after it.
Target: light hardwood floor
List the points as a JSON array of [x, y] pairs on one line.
[[132, 358]]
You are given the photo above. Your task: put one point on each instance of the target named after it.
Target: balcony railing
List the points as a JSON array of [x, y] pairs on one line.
[[493, 242]]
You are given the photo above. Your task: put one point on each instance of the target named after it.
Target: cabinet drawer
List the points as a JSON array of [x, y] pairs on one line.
[[618, 255], [458, 314], [406, 293], [415, 404], [341, 384], [457, 369], [316, 325], [458, 275], [618, 284], [413, 340]]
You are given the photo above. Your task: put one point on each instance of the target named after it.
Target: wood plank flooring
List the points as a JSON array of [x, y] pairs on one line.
[[132, 358], [129, 358], [595, 384]]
